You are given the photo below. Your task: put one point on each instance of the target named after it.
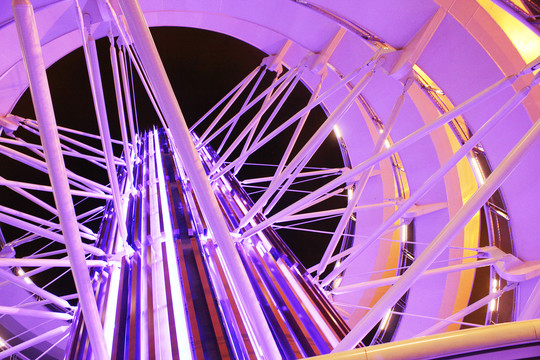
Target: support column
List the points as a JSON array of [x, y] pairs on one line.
[[94, 74], [120, 106], [41, 98], [190, 159]]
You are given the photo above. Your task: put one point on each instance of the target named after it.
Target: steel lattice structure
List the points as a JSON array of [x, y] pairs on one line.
[[428, 214]]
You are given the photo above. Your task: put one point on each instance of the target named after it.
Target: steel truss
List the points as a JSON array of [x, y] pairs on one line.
[[187, 264]]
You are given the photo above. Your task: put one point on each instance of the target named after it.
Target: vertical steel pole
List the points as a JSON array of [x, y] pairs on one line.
[[190, 159], [41, 97], [94, 75], [120, 105], [439, 244], [127, 96]]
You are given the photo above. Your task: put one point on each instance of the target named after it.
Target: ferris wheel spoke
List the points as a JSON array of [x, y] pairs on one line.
[[398, 146], [437, 176], [283, 84], [301, 158], [240, 88], [360, 185], [244, 109], [94, 75], [248, 143], [120, 107], [297, 131], [17, 349], [236, 90], [306, 109], [424, 260], [486, 300]]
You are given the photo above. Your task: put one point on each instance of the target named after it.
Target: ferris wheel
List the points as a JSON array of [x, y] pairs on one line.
[[365, 179]]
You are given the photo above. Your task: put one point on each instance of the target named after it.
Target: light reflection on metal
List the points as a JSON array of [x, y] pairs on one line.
[[173, 296]]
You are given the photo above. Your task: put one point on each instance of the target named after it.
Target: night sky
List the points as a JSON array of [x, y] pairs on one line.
[[202, 66]]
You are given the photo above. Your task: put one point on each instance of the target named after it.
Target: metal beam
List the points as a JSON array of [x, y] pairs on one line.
[[41, 98], [34, 341], [182, 140], [437, 246]]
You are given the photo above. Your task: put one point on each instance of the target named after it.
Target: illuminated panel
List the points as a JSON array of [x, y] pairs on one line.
[[168, 295]]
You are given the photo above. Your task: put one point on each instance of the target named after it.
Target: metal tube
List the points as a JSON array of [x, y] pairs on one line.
[[432, 180], [192, 163], [94, 74], [303, 174], [437, 246], [292, 119], [7, 262], [332, 212], [240, 89], [447, 345], [271, 118], [309, 148], [11, 310], [25, 185], [41, 97], [47, 233], [127, 96], [392, 280], [410, 139], [120, 106], [34, 341], [31, 287], [292, 143], [40, 221], [220, 102], [464, 312], [361, 183], [242, 111], [42, 166], [255, 120]]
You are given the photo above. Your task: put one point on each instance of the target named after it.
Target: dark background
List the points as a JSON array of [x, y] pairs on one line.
[[202, 66]]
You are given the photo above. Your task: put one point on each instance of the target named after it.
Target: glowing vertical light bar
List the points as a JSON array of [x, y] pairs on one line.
[[161, 323], [176, 289]]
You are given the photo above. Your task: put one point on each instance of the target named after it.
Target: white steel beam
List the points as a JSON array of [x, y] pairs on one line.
[[293, 119], [437, 246], [190, 159], [12, 310], [127, 96], [289, 173], [47, 233], [392, 280], [239, 89], [447, 344], [94, 74], [435, 177], [47, 188], [31, 287], [247, 79], [120, 106], [41, 98], [8, 262], [398, 146], [292, 142], [362, 182], [440, 325], [34, 341]]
